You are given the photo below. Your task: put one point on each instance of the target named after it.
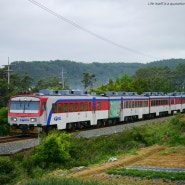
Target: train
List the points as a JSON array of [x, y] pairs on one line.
[[75, 109]]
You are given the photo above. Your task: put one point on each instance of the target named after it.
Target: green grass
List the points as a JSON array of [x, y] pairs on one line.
[[73, 151], [65, 181], [147, 174]]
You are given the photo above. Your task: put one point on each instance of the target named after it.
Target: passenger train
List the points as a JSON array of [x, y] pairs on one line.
[[71, 110]]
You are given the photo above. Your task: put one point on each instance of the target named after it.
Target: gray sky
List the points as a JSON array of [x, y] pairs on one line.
[[126, 30]]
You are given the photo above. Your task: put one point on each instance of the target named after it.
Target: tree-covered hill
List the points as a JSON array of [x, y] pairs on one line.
[[73, 71]]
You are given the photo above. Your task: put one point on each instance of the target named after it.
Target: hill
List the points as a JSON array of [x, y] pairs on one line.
[[73, 71]]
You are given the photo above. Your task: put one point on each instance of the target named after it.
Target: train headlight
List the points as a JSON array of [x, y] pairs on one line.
[[14, 119], [33, 119]]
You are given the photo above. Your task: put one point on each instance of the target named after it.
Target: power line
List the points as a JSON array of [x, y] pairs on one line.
[[86, 30]]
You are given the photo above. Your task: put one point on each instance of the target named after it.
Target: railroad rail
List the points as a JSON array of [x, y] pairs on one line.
[[15, 138]]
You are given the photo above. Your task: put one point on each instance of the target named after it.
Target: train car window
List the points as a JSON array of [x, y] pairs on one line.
[[76, 107], [86, 106], [65, 107], [132, 104], [146, 104], [137, 103], [60, 107], [43, 106], [81, 106], [140, 104], [54, 108], [71, 107], [156, 102], [99, 106], [90, 106], [126, 105], [172, 101], [129, 104], [183, 100]]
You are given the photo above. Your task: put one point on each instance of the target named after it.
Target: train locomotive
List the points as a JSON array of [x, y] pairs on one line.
[[71, 110]]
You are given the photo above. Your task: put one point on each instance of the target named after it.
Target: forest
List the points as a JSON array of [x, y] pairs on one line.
[[72, 72], [161, 76]]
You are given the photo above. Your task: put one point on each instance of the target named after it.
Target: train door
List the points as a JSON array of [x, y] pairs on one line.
[[115, 108], [94, 121], [44, 115]]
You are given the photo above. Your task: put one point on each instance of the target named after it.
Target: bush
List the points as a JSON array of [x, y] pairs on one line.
[[6, 165], [4, 179], [53, 149], [4, 127], [178, 122]]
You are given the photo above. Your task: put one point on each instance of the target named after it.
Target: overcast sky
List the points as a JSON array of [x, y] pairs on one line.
[[92, 30]]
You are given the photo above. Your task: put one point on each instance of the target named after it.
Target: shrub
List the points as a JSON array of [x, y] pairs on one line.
[[178, 122], [6, 165], [4, 127], [53, 149], [4, 179]]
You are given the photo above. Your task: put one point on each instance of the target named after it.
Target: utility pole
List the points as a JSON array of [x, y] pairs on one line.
[[8, 71], [63, 85], [62, 79]]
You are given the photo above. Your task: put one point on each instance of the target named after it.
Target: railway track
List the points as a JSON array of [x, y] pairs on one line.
[[13, 144], [95, 132], [9, 139]]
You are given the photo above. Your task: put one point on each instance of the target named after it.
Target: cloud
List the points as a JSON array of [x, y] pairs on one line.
[[31, 33]]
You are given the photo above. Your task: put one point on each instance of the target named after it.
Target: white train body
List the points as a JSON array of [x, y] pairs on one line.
[[27, 113]]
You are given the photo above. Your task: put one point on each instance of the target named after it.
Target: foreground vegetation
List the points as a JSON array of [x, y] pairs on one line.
[[65, 151], [148, 174]]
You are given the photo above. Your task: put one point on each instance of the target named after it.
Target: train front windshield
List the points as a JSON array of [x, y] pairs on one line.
[[24, 106]]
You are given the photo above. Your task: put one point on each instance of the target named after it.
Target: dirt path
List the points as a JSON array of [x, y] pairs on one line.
[[155, 156], [121, 162]]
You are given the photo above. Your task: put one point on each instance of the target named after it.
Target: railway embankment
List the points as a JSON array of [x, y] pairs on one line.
[[9, 148]]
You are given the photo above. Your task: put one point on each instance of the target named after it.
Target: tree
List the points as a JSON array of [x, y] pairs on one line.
[[26, 82], [158, 78], [4, 128], [55, 148], [88, 80], [179, 77]]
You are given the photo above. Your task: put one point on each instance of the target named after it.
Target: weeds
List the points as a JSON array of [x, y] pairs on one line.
[[148, 174], [65, 181]]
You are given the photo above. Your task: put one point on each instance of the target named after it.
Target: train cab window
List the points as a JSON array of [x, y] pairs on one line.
[[60, 108], [99, 106], [54, 108], [65, 107]]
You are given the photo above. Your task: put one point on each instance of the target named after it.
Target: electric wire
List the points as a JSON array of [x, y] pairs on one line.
[[88, 31]]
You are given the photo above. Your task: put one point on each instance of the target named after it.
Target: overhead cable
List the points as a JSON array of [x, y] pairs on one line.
[[86, 30]]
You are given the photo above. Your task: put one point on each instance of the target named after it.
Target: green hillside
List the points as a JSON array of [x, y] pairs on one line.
[[73, 71]]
